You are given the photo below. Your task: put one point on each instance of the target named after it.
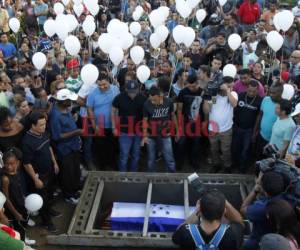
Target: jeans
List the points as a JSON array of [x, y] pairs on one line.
[[165, 146], [129, 143], [260, 144], [241, 144], [188, 146]]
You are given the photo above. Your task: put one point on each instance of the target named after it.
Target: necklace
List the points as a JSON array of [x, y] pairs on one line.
[[246, 100]]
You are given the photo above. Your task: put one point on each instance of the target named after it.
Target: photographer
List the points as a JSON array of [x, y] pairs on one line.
[[220, 115], [217, 46], [207, 221], [270, 185]]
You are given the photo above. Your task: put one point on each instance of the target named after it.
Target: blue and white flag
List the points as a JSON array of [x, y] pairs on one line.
[[130, 217]]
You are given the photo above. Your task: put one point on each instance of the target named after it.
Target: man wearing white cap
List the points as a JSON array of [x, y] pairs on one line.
[[65, 134], [293, 153]]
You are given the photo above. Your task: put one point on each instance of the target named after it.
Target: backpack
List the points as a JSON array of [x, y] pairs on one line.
[[200, 243]]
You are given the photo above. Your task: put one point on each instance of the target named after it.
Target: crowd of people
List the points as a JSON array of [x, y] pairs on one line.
[[53, 126]]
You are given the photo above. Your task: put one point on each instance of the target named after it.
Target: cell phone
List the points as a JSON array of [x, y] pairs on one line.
[[196, 183]]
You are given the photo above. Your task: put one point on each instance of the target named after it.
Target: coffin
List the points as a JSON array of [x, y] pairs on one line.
[[91, 224]]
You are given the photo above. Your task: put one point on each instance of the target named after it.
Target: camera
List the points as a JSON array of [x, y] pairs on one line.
[[213, 86]]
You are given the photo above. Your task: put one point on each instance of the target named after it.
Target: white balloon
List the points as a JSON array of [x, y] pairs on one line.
[[94, 11], [117, 28], [183, 9], [78, 9], [189, 36], [77, 2], [178, 34], [275, 40], [136, 15], [89, 74], [116, 55], [200, 15], [65, 2], [2, 200], [89, 18], [72, 22], [58, 8], [163, 32], [283, 20], [143, 73], [137, 54], [165, 10], [234, 41], [88, 27], [33, 202], [135, 28], [229, 70], [222, 2], [106, 41], [193, 3], [39, 60], [126, 40], [49, 27], [156, 18], [154, 40], [14, 24], [140, 9], [72, 45], [288, 91]]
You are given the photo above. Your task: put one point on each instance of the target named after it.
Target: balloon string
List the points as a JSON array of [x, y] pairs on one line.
[[172, 78], [281, 55]]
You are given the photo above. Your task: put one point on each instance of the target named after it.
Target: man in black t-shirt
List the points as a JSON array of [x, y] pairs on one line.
[[188, 110], [211, 208], [127, 113], [245, 117], [40, 165], [158, 124]]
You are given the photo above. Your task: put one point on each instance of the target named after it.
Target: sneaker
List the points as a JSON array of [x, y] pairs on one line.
[[54, 213], [29, 242], [31, 223], [72, 200], [51, 228]]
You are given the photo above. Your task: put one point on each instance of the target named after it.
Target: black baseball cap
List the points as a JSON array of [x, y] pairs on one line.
[[132, 86], [154, 91]]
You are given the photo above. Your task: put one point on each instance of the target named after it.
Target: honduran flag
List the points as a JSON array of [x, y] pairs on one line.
[[130, 217]]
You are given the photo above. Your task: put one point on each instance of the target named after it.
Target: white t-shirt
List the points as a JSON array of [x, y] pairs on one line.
[[84, 91], [252, 46], [221, 114]]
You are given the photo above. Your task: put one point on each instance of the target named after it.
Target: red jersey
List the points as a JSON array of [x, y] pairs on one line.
[[249, 13]]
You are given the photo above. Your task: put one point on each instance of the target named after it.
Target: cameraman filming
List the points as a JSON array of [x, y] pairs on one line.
[[220, 116], [206, 222], [270, 186]]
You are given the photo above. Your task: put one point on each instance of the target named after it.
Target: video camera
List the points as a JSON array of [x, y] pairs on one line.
[[213, 86], [290, 174]]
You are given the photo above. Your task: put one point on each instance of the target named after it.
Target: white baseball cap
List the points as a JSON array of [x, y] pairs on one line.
[[2, 200], [65, 94], [297, 110]]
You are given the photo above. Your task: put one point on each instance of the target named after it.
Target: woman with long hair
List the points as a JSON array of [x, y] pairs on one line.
[[283, 220]]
